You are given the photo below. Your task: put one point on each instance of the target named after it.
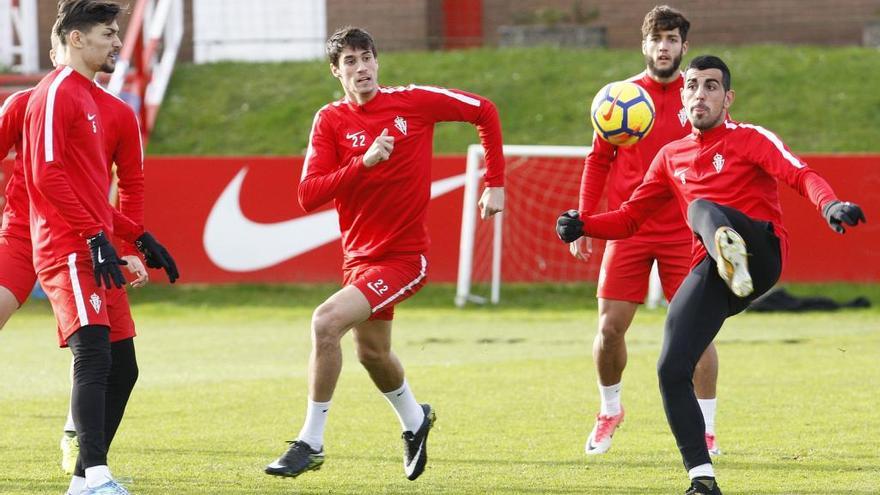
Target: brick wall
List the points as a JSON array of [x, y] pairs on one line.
[[418, 24], [744, 21], [395, 24]]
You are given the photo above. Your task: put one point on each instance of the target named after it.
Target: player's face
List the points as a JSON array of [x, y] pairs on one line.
[[704, 98], [101, 46], [663, 51], [358, 71]]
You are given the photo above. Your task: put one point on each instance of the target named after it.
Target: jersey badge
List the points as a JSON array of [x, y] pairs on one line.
[[400, 123], [682, 117], [95, 300], [718, 162]]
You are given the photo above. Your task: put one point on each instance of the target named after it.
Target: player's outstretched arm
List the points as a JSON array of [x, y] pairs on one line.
[[491, 201], [838, 213]]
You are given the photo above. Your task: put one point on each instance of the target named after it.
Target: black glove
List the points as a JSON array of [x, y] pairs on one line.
[[156, 255], [837, 213], [569, 226], [105, 261]]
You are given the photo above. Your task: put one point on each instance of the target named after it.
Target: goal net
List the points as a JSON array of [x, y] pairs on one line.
[[520, 245]]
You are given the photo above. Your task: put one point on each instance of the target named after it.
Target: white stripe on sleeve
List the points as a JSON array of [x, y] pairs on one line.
[[452, 94], [50, 114], [777, 143]]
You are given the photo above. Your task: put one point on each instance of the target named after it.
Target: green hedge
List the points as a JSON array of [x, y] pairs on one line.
[[818, 99]]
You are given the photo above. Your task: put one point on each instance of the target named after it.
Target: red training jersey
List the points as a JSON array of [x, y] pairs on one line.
[[623, 168], [15, 211], [123, 147], [734, 164], [382, 209], [66, 169]]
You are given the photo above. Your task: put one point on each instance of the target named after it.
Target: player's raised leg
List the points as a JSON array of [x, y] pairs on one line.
[[373, 343], [330, 321]]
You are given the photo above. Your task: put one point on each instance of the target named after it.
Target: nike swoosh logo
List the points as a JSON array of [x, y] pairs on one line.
[[409, 468], [349, 136], [100, 258], [237, 244], [91, 116], [611, 108]]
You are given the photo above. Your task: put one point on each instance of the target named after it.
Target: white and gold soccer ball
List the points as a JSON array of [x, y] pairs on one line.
[[622, 113]]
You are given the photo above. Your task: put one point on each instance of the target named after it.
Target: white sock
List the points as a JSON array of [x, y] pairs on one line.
[[77, 485], [408, 410], [312, 431], [97, 476], [708, 408], [610, 399], [68, 425], [702, 470]]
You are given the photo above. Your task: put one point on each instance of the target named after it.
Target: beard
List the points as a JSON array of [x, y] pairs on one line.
[[108, 67], [664, 73], [706, 121]]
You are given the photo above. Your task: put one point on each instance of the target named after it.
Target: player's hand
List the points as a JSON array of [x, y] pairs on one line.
[[491, 201], [156, 255], [837, 213], [106, 262], [582, 248], [380, 150], [136, 267], [569, 226]]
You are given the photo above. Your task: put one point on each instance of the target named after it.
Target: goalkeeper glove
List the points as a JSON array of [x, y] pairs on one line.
[[156, 255], [837, 213], [105, 262], [569, 226]]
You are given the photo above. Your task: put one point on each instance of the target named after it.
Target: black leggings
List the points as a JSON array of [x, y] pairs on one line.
[[104, 375], [696, 314]]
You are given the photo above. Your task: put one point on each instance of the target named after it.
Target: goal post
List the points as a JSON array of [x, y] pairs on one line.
[[520, 245]]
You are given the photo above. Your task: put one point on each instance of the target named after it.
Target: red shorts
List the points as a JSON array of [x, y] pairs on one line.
[[386, 282], [77, 301], [626, 268], [17, 267]]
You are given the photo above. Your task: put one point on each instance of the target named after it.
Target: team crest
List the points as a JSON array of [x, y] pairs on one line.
[[400, 123], [682, 117], [718, 162], [96, 302]]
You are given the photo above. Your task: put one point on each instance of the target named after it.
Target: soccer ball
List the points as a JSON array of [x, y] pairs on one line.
[[622, 113]]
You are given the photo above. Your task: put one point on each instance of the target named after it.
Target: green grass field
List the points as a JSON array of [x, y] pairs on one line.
[[223, 385]]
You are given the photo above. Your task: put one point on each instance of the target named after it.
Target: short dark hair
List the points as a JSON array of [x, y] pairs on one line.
[[83, 15], [349, 36], [665, 18], [704, 62]]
